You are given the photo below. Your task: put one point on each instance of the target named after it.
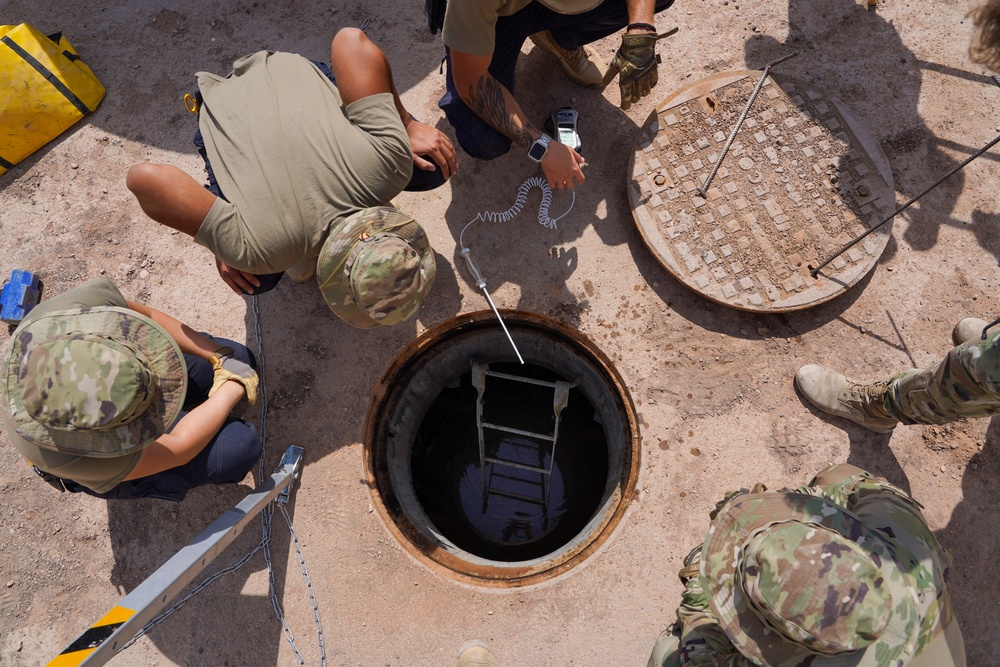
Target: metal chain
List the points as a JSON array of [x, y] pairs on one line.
[[265, 539]]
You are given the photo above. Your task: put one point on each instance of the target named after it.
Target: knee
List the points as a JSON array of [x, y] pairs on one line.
[[141, 177], [138, 177], [837, 474], [351, 43], [484, 145], [243, 449]]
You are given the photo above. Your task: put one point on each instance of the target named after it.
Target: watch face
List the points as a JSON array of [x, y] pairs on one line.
[[537, 151]]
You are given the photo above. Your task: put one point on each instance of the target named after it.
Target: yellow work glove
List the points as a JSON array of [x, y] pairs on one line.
[[636, 62], [228, 367]]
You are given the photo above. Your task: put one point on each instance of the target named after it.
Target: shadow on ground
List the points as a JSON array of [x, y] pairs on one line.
[[973, 538]]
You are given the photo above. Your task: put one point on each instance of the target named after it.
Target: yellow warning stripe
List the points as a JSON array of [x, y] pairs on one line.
[[89, 641]]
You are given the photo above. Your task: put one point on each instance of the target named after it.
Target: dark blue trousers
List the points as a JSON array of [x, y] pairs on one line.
[[420, 181], [227, 459], [571, 31]]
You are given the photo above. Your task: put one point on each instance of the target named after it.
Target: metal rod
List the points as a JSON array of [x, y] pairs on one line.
[[497, 313], [739, 123], [814, 271], [481, 284]]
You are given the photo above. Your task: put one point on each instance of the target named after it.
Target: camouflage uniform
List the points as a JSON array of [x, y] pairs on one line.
[[745, 603], [966, 383], [87, 383]]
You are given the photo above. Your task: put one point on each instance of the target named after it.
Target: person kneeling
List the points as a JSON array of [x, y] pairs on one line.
[[117, 400]]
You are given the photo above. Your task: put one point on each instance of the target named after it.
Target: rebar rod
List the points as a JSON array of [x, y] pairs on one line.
[[814, 271], [739, 123]]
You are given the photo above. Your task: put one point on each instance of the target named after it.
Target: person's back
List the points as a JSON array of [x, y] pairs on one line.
[[292, 160]]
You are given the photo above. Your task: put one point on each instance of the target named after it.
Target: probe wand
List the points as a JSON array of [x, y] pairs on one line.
[[481, 284]]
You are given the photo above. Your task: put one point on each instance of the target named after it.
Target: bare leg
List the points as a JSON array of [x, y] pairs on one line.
[[362, 70], [169, 196], [360, 67]]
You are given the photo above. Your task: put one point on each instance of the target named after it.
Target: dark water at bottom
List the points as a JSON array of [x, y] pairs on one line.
[[446, 471]]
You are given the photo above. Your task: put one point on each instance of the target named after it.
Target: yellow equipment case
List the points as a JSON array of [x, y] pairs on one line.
[[44, 89]]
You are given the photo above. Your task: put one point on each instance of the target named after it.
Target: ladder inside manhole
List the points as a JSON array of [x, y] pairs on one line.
[[532, 443]]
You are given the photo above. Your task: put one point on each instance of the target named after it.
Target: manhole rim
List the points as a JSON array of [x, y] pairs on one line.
[[431, 554]]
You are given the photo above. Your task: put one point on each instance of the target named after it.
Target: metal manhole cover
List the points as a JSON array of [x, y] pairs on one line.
[[802, 179]]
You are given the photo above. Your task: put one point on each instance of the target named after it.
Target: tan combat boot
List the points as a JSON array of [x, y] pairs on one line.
[[838, 395], [968, 328], [583, 66], [476, 654]]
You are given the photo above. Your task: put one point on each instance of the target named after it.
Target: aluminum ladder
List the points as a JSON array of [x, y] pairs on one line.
[[560, 397]]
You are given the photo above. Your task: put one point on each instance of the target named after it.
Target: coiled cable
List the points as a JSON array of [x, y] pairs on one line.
[[513, 211]]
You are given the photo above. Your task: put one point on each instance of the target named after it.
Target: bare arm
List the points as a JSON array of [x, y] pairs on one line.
[[361, 70], [171, 197], [494, 103], [641, 11], [190, 435], [189, 340]]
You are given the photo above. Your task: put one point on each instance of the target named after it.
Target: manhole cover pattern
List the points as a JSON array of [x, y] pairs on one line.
[[796, 186]]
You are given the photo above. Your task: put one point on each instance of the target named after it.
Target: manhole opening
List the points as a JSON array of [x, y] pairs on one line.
[[502, 473], [528, 498]]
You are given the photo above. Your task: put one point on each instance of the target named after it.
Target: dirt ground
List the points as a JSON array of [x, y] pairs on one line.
[[713, 385]]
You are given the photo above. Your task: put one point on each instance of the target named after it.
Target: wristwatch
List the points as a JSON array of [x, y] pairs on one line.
[[537, 150]]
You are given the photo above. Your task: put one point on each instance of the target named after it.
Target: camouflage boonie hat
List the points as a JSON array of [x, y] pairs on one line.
[[96, 382], [796, 580], [375, 268]]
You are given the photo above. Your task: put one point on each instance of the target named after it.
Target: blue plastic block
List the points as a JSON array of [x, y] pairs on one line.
[[20, 294]]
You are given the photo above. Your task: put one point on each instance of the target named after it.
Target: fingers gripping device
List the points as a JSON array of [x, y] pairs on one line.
[[506, 216]]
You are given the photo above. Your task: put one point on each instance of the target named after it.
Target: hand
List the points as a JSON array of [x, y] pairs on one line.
[[561, 166], [241, 282], [637, 62], [228, 367], [426, 140]]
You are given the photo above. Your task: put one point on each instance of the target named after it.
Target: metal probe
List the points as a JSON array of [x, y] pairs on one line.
[[814, 271], [739, 123], [481, 284]]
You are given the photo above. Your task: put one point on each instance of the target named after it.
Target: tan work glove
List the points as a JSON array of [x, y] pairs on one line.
[[228, 367], [636, 61]]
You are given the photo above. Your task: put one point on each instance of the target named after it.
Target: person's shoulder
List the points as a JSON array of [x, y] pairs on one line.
[[97, 293]]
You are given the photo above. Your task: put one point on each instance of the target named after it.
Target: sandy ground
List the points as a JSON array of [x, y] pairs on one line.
[[712, 385]]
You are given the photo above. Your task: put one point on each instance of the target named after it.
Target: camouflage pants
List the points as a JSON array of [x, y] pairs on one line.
[[966, 383]]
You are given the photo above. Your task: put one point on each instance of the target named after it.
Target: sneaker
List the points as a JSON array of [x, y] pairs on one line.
[[476, 654], [838, 395], [302, 271], [583, 66], [968, 328]]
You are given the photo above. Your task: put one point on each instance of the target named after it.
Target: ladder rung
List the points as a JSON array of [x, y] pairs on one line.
[[518, 378], [517, 431], [515, 464], [517, 496], [512, 478]]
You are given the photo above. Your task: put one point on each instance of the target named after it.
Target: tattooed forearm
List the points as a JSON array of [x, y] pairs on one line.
[[487, 100]]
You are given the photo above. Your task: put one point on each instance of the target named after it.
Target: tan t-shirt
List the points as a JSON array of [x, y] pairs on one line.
[[101, 474], [292, 160], [470, 25]]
